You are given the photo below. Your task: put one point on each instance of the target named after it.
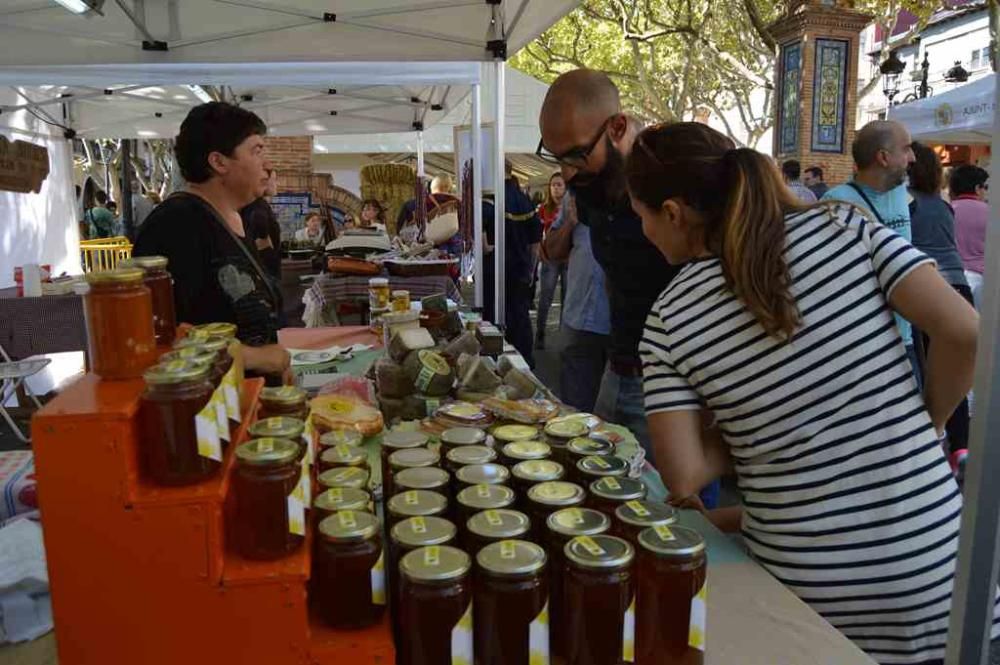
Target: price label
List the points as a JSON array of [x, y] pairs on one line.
[[296, 516], [696, 626], [231, 391], [378, 581], [538, 638], [207, 431], [461, 640]]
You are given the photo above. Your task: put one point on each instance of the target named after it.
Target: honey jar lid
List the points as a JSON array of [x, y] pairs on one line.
[[675, 542], [266, 451], [511, 433], [151, 262], [421, 478], [511, 558], [192, 354], [538, 470], [585, 446], [484, 497], [556, 493], [346, 476], [498, 523], [116, 276], [399, 439], [212, 343], [435, 563], [400, 293], [567, 428], [618, 489], [342, 498], [344, 454], [420, 531], [349, 525], [217, 329], [286, 395], [645, 513], [578, 522], [413, 503], [599, 551], [525, 450], [463, 436], [175, 371], [474, 474], [413, 457], [339, 437], [280, 426], [595, 465], [466, 455]]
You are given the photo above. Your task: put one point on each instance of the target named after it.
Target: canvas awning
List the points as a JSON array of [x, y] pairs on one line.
[[962, 115]]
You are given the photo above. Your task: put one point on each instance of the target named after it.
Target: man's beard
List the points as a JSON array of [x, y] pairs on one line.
[[605, 188]]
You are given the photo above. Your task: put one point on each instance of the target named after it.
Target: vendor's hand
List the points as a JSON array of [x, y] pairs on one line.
[[270, 359]]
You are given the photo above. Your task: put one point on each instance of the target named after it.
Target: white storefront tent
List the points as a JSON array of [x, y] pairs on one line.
[[962, 115]]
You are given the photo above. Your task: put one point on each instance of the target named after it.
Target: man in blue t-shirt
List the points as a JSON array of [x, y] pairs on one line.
[[882, 154]]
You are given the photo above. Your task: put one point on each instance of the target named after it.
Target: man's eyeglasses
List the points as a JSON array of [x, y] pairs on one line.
[[574, 157]]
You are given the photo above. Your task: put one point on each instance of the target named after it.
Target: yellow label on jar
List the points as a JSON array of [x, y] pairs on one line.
[[664, 532], [419, 525], [538, 638], [591, 546], [628, 634], [432, 555], [461, 640], [336, 494], [576, 515], [347, 519], [696, 626], [508, 549], [483, 491], [207, 432], [296, 516], [265, 446], [378, 581], [612, 483], [411, 498], [638, 508], [493, 518], [599, 463]]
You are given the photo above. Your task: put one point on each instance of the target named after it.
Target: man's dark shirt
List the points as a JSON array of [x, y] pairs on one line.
[[522, 228], [213, 278], [819, 189], [260, 223]]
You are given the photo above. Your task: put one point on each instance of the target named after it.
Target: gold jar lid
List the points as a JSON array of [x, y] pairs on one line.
[[116, 276], [585, 447], [283, 395], [463, 436], [421, 478], [216, 345], [511, 558], [538, 470], [280, 426], [673, 542], [645, 513], [414, 503], [435, 563], [498, 523], [342, 498], [346, 476], [466, 455], [341, 437], [349, 526], [512, 433], [525, 450], [173, 372], [600, 552], [594, 465], [151, 262], [344, 455], [191, 354], [566, 428], [556, 493], [489, 474], [217, 329], [414, 532], [578, 522], [618, 489], [400, 439], [411, 458], [267, 451], [485, 497]]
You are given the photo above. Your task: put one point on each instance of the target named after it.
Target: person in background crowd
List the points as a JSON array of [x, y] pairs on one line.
[[118, 228], [406, 226], [968, 188], [791, 171], [312, 232], [774, 352], [552, 272], [522, 235], [141, 205], [813, 179], [262, 226], [217, 275], [99, 220], [372, 216], [882, 154], [933, 226]]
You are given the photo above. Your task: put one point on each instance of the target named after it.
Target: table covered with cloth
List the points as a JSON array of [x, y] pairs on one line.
[[327, 290], [40, 325]]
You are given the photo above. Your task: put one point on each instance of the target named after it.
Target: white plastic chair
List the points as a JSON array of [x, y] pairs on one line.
[[12, 377]]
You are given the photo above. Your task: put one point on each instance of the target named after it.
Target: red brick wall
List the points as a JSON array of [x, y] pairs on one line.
[[290, 154]]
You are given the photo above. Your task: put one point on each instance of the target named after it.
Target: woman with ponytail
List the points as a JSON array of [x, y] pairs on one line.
[[774, 353]]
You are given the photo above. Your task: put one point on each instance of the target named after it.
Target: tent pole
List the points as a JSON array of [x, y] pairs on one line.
[[971, 616], [420, 154], [125, 207], [477, 193], [500, 205]]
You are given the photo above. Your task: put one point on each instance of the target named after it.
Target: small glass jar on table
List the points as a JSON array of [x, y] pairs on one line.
[[461, 436], [222, 329], [505, 434], [283, 401], [559, 433], [267, 472], [595, 467], [217, 346], [408, 535], [436, 605], [633, 517], [491, 526], [423, 478], [548, 497], [511, 597], [161, 288], [461, 456], [481, 474], [175, 394], [670, 597], [581, 447], [412, 458], [599, 591], [393, 441], [401, 300], [197, 356], [525, 475], [336, 499], [348, 578], [477, 498], [119, 315], [521, 451], [281, 427], [607, 494], [378, 293], [341, 437], [350, 476], [343, 455], [415, 503]]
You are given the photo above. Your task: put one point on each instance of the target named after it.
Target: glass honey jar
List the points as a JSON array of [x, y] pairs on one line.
[[348, 579], [336, 499], [505, 434], [343, 455], [161, 289], [520, 451], [393, 441], [283, 401], [119, 314], [595, 467], [350, 476], [633, 517], [413, 458], [581, 447], [481, 474], [461, 456], [490, 526], [281, 427], [341, 437], [435, 607], [548, 497], [477, 498], [416, 503], [606, 494], [559, 433], [423, 478], [527, 474], [267, 472], [461, 436]]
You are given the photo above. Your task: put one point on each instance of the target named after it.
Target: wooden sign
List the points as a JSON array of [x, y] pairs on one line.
[[23, 166]]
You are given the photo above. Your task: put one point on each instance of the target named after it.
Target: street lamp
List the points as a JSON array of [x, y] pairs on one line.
[[956, 74], [891, 70]]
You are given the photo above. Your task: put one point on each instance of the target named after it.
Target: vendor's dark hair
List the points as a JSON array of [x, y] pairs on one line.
[[375, 203], [925, 171], [743, 200], [212, 127], [965, 178]]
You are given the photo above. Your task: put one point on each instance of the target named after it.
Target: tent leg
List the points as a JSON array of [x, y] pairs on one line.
[[500, 205], [477, 194], [420, 154]]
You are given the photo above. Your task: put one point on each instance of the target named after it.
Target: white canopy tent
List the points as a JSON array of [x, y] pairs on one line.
[[962, 115]]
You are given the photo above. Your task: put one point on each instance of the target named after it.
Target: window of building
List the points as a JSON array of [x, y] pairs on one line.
[[980, 58]]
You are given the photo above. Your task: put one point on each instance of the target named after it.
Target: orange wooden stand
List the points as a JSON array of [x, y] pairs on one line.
[[141, 574]]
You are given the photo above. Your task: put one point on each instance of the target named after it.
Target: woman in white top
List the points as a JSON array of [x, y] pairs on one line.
[[313, 231], [774, 353]]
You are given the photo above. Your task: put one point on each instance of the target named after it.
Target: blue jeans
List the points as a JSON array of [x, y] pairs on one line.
[[583, 357], [551, 274]]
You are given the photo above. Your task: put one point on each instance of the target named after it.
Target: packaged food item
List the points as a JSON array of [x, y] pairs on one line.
[[401, 300], [526, 411], [494, 525], [393, 441], [119, 309], [396, 322], [430, 372], [408, 535], [461, 414], [466, 342], [408, 340], [348, 577], [283, 401], [520, 451], [336, 499], [436, 605], [267, 472], [161, 288], [527, 474], [415, 503], [392, 380], [522, 383], [505, 434], [344, 411], [594, 467], [634, 517], [548, 497], [349, 476], [434, 303], [481, 474], [490, 340], [378, 293], [610, 492], [343, 455]]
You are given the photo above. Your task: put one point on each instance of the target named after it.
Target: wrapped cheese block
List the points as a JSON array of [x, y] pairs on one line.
[[392, 380], [409, 340], [478, 377], [430, 372], [491, 340], [521, 382], [465, 343], [345, 411]]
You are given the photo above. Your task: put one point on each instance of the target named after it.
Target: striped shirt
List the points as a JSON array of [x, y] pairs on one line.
[[848, 499]]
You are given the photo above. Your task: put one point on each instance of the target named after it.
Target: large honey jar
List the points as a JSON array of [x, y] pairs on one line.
[[490, 526], [393, 441], [607, 493], [161, 289], [119, 310], [633, 517], [267, 472], [415, 503], [545, 499], [283, 401], [348, 580], [435, 607]]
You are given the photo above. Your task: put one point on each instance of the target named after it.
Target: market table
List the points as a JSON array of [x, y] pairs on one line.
[[41, 325], [327, 290]]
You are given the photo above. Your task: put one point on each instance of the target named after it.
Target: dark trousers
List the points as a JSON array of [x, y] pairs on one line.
[[517, 324], [583, 358]]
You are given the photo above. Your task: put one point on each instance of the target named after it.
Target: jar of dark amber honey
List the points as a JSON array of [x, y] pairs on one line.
[[423, 478], [545, 499], [520, 451], [336, 499], [393, 441], [607, 493], [490, 526], [350, 476], [595, 467], [161, 289], [527, 474], [343, 455], [481, 474], [283, 401], [435, 607], [415, 503], [281, 427], [477, 498], [633, 517], [348, 579], [267, 472]]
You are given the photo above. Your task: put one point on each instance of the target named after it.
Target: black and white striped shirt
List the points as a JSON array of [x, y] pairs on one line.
[[848, 499]]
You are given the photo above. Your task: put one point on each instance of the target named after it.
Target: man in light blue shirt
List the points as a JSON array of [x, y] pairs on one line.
[[882, 154]]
